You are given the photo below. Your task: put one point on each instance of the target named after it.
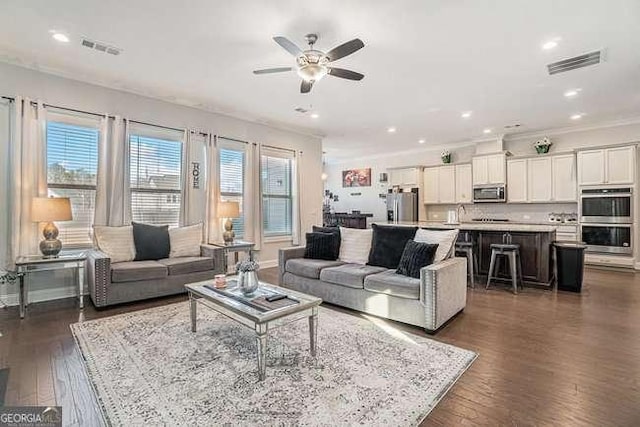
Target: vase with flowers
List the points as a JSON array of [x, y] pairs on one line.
[[247, 276], [445, 156], [542, 146]]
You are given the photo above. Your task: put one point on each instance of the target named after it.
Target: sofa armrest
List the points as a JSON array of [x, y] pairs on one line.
[[98, 276], [443, 290], [215, 252], [286, 254]]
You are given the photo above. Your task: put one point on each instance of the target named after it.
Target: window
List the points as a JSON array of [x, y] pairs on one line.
[[72, 164], [277, 201], [231, 179], [155, 169]]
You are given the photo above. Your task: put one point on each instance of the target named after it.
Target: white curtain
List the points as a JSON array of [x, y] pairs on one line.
[[212, 223], [193, 205], [28, 172], [113, 201], [296, 198], [253, 197]]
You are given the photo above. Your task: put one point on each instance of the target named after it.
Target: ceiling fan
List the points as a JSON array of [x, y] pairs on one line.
[[312, 64]]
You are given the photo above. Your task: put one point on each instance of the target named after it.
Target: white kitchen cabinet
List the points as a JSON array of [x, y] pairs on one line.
[[564, 178], [447, 184], [607, 166], [464, 183], [406, 177], [620, 165], [517, 181], [539, 185], [489, 169], [431, 185]]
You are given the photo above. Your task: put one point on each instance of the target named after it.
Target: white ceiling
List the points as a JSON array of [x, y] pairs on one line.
[[425, 61]]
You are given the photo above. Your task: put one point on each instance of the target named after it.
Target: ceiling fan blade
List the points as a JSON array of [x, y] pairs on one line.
[[288, 45], [344, 74], [345, 49], [305, 87], [272, 70]]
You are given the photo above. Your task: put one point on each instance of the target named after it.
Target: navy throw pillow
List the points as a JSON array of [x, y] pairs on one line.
[[415, 256], [332, 230], [320, 246], [388, 244], [151, 241]]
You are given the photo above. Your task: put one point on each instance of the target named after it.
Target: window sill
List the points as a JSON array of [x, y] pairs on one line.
[[277, 239]]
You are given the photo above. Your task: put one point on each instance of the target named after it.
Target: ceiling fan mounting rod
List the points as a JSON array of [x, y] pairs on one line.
[[311, 39]]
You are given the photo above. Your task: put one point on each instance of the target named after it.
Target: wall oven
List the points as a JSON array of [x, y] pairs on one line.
[[489, 193], [606, 205], [608, 238]]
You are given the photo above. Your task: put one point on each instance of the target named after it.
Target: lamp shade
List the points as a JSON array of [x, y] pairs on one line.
[[47, 209], [228, 210]]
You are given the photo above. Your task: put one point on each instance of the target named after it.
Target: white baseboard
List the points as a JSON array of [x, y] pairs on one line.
[[269, 263], [41, 295]]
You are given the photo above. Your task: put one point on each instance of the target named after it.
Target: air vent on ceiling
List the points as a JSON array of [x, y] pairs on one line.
[[579, 61], [513, 126], [101, 47], [302, 110]]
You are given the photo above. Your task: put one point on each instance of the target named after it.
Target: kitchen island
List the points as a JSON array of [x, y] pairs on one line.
[[534, 239], [349, 220]]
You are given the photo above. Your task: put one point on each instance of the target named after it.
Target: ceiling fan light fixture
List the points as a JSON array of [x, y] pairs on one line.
[[312, 72]]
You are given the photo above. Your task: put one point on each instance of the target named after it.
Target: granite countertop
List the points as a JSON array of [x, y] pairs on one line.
[[489, 226]]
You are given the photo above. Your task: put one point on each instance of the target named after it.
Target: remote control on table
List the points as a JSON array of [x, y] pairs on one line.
[[276, 297]]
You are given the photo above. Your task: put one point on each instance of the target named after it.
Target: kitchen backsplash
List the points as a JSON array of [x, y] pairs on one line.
[[533, 213]]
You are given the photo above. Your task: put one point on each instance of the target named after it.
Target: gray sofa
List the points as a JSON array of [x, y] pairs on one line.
[[115, 283], [428, 302]]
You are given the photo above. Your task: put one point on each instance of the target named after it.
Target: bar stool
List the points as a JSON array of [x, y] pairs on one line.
[[466, 248], [512, 253]]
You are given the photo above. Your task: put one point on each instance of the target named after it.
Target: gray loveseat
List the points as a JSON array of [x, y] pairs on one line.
[[428, 302], [136, 280]]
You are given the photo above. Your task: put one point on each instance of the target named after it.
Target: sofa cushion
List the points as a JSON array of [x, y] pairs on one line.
[[132, 271], [350, 275], [355, 245], [115, 242], [444, 238], [185, 241], [388, 244], [415, 256], [187, 264], [152, 241], [333, 230], [390, 283], [321, 246], [309, 268]]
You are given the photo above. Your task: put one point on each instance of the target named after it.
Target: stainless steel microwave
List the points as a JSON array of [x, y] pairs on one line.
[[489, 194]]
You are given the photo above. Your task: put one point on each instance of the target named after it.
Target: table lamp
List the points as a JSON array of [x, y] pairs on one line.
[[228, 210], [49, 209]]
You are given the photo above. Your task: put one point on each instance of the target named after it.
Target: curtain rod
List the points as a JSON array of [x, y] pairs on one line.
[[109, 116], [281, 149]]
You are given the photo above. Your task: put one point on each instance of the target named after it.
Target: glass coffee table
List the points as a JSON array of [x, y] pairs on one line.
[[255, 312]]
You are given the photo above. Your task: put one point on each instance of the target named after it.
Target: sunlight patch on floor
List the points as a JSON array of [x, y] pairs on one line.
[[390, 330]]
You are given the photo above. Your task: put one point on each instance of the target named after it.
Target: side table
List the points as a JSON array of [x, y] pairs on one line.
[[235, 247], [35, 263]]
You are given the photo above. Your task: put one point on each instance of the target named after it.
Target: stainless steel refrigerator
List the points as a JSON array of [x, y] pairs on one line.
[[402, 205]]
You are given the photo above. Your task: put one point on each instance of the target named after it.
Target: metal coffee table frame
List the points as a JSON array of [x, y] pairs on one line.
[[260, 322]]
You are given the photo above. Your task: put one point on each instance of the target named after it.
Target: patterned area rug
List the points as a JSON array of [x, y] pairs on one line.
[[147, 367]]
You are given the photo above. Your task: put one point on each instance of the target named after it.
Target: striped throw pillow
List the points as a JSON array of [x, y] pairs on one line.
[[185, 241], [116, 242], [355, 245]]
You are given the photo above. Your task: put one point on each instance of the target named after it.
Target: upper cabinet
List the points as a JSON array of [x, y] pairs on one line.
[[407, 177], [489, 169], [542, 179], [607, 166], [447, 184]]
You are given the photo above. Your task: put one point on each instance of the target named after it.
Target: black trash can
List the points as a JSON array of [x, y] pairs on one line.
[[570, 265]]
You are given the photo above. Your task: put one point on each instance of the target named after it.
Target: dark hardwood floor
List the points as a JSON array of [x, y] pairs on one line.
[[545, 358]]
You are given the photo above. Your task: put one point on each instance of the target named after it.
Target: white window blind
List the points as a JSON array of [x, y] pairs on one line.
[[155, 167], [231, 179], [277, 200], [72, 164]]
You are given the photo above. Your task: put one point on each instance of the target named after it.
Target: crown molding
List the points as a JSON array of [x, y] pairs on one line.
[[632, 120]]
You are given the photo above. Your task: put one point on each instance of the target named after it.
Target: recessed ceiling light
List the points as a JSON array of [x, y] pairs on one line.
[[421, 141], [572, 92], [577, 116], [391, 129], [466, 114], [550, 44], [486, 130], [315, 115], [60, 37]]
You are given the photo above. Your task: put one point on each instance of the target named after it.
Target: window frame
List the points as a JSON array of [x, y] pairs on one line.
[[229, 144], [83, 122], [290, 156]]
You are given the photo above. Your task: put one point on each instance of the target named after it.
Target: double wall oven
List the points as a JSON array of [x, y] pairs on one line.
[[606, 219]]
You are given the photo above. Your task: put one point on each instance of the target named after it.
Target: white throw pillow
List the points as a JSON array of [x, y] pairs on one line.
[[355, 245], [185, 241], [116, 242], [444, 238]]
